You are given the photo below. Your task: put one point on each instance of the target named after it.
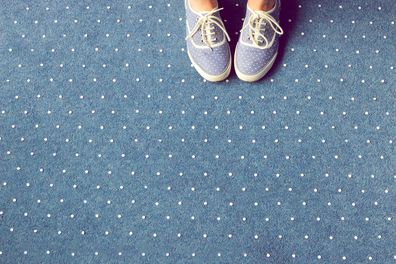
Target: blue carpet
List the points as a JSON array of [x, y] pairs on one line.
[[114, 150]]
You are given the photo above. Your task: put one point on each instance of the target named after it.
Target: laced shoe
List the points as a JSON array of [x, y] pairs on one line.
[[258, 43], [207, 43]]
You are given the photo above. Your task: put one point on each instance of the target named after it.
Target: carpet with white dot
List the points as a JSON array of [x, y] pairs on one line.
[[114, 150]]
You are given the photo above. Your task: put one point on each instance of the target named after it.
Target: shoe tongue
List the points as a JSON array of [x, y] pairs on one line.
[[265, 12], [261, 12], [205, 12]]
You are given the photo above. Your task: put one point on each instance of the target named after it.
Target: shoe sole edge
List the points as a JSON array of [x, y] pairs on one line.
[[209, 77], [257, 76]]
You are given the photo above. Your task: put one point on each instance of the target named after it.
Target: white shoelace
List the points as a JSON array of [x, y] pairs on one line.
[[255, 21], [204, 24]]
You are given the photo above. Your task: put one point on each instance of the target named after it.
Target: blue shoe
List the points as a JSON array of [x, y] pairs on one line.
[[258, 43], [207, 44]]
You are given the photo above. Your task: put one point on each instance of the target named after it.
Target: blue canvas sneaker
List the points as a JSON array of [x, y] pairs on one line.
[[207, 43], [258, 43]]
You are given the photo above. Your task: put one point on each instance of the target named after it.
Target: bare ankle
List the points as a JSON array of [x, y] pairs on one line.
[[203, 5], [263, 5]]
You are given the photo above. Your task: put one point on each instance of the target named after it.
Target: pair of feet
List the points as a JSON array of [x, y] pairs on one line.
[[256, 50]]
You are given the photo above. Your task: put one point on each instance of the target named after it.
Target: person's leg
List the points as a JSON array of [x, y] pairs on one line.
[[207, 5], [263, 5], [203, 5]]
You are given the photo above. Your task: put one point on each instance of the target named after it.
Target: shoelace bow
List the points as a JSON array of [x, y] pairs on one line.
[[204, 24], [255, 21]]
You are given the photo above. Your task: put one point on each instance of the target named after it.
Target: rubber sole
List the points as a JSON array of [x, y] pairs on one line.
[[209, 77], [257, 76]]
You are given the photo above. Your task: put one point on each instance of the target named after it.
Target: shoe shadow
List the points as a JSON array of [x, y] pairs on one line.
[[232, 15], [234, 12]]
